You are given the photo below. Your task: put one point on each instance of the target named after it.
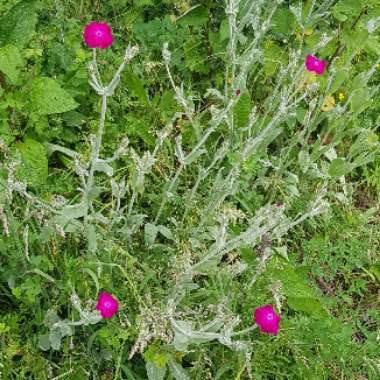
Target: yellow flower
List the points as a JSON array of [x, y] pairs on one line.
[[229, 81], [378, 66], [328, 104], [341, 97]]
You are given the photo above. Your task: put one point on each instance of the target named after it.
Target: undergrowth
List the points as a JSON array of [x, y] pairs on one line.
[[220, 176]]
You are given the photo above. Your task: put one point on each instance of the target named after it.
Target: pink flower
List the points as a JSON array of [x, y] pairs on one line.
[[267, 319], [238, 92], [314, 64], [98, 35], [107, 305]]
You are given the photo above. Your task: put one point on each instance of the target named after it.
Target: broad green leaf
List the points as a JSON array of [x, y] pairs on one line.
[[339, 167], [224, 31], [300, 295], [48, 97], [360, 100], [154, 372], [345, 9], [136, 86], [338, 80], [197, 16], [34, 168], [242, 110], [18, 24], [307, 305], [142, 3], [283, 21], [10, 62]]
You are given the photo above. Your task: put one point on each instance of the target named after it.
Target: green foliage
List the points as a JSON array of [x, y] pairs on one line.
[[208, 210], [10, 62], [47, 97], [18, 24], [34, 168]]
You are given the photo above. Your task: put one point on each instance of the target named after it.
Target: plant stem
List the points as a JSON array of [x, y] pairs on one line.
[[95, 155]]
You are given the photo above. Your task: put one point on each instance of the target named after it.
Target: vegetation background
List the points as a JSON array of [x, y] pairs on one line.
[[264, 189]]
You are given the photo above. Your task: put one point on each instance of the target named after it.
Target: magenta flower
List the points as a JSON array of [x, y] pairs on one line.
[[98, 35], [237, 92], [107, 305], [314, 64], [267, 319]]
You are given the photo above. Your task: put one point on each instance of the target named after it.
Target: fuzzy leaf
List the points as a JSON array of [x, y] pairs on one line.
[[150, 233], [154, 372], [177, 370], [44, 342]]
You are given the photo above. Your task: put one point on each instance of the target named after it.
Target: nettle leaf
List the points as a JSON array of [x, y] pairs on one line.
[[196, 55], [48, 97], [301, 297], [10, 62], [34, 169], [18, 24], [242, 110]]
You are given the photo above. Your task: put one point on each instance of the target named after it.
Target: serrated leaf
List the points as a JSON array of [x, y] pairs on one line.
[[283, 21], [34, 168], [242, 110], [18, 24], [47, 97], [10, 61], [154, 372]]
